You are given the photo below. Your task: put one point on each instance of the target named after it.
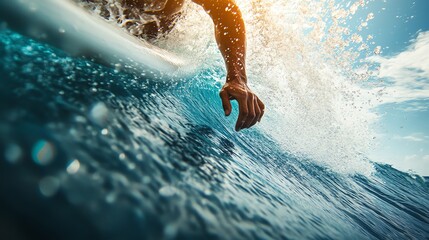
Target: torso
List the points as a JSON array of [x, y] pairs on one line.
[[144, 18]]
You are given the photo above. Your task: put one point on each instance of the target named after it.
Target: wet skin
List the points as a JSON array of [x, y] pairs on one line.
[[231, 39]]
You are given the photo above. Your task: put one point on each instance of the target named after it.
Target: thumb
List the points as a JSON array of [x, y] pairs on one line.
[[225, 102]]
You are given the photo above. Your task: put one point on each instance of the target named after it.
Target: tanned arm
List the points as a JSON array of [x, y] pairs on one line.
[[231, 38]]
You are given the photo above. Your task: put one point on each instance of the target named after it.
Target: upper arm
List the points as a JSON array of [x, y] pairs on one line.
[[219, 9]]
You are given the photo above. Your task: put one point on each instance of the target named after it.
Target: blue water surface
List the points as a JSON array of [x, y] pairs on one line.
[[90, 152]]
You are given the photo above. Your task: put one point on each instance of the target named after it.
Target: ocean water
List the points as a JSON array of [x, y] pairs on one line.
[[91, 152]]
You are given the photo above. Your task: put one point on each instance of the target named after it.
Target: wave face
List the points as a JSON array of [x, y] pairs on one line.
[[90, 152]]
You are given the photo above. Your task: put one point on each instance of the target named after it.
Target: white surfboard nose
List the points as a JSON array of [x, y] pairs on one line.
[[69, 27]]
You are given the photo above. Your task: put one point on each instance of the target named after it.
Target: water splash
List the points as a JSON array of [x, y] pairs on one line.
[[302, 61]]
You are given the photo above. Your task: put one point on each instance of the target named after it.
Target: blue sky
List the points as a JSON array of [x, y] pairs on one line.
[[401, 28]]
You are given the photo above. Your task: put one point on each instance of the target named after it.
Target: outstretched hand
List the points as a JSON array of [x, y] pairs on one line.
[[251, 108]]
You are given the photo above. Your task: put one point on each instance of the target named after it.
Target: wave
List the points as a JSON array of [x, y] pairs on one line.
[[123, 156], [127, 157]]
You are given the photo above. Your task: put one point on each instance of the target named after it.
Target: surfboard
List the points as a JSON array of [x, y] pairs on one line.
[[64, 24]]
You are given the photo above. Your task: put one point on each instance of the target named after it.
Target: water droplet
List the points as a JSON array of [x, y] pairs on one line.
[[80, 119], [104, 131], [13, 153], [73, 167], [49, 186], [111, 198], [170, 231], [207, 192], [131, 166], [146, 180], [43, 152], [99, 113], [118, 67], [377, 50], [168, 191], [61, 30]]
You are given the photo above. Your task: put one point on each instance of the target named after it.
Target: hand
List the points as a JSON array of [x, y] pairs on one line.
[[251, 109]]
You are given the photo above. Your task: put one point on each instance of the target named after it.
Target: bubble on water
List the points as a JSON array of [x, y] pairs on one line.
[[13, 153], [73, 167], [99, 113], [104, 131], [122, 156], [61, 30], [43, 152], [49, 186]]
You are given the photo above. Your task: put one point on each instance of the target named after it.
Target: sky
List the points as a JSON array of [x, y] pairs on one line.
[[401, 28]]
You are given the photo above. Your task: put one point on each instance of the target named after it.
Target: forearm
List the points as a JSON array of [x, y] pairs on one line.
[[230, 35]]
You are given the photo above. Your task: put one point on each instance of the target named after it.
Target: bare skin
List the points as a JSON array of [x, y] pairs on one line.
[[231, 39]]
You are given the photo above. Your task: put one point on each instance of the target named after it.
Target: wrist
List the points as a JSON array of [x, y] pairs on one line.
[[238, 76]]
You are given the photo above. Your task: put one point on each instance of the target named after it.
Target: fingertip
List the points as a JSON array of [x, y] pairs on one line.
[[238, 127]]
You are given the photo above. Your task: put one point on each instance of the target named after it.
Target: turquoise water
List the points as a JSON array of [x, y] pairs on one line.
[[90, 152]]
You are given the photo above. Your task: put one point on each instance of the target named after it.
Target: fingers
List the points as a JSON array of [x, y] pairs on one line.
[[251, 108], [262, 108], [258, 112], [243, 113], [250, 119], [226, 104]]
